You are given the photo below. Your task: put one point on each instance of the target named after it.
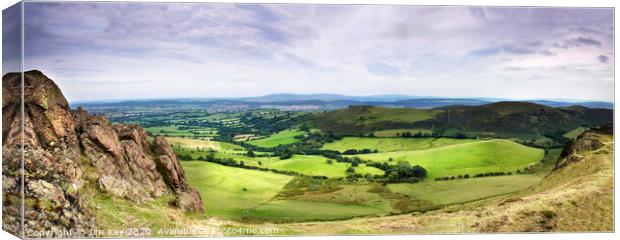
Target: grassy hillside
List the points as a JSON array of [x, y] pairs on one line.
[[572, 134], [391, 144], [232, 192], [466, 158], [521, 120], [203, 144], [318, 166], [576, 198], [177, 131], [465, 190], [365, 119], [298, 210], [281, 138], [396, 132], [249, 195]]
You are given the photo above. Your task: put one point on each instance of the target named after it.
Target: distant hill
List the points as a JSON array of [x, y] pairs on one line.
[[502, 119], [314, 102], [591, 104], [289, 97]]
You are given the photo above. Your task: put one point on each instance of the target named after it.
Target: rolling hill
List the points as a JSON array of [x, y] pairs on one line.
[[575, 197], [521, 120], [466, 158]]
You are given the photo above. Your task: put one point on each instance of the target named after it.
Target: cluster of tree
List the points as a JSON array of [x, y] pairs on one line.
[[479, 175], [435, 134], [241, 164], [492, 174], [452, 177], [331, 137], [361, 151], [355, 161], [526, 170], [351, 175], [403, 171]]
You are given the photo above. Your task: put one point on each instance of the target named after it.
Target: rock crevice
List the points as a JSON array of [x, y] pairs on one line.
[[58, 142]]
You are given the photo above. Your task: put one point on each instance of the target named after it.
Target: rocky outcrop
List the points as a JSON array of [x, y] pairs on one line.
[[174, 176], [51, 156], [120, 155], [588, 141], [59, 144]]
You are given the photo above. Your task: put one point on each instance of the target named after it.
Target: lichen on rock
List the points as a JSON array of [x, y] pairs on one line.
[[56, 139]]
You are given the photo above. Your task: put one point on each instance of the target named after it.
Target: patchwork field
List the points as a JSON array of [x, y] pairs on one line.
[[299, 210], [465, 190], [255, 196], [281, 138], [251, 195], [204, 144], [318, 166], [391, 144], [236, 191], [179, 131], [467, 158], [575, 132]]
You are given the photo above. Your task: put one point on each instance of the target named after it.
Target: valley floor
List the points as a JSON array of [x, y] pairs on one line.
[[578, 197]]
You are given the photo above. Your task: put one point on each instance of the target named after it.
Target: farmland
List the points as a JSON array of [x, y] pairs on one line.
[[318, 166], [235, 190], [467, 158], [451, 192], [391, 144], [269, 165], [281, 138], [575, 132]]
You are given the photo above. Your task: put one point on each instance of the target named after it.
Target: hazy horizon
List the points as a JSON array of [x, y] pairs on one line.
[[344, 95], [182, 50]]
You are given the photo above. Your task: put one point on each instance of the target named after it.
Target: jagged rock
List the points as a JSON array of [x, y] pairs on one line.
[[587, 141], [170, 168], [57, 144], [174, 176], [189, 200], [121, 157], [51, 155]]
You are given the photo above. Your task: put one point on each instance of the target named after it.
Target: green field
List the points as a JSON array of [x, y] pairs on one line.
[[205, 144], [222, 191], [318, 166], [251, 161], [175, 131], [465, 190], [298, 210], [397, 132], [250, 195], [281, 138], [391, 144], [232, 192], [365, 119], [467, 158], [573, 134]]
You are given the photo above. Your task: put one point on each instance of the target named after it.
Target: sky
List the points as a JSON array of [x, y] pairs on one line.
[[173, 50]]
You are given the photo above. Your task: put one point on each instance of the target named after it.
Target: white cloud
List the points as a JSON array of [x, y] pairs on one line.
[[143, 50]]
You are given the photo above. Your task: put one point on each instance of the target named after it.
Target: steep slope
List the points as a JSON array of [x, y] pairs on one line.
[[502, 119], [59, 144], [365, 119], [514, 119], [577, 196]]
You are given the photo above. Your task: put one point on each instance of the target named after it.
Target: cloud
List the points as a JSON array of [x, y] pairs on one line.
[[490, 51], [587, 41], [136, 50], [547, 52], [603, 59], [518, 49]]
